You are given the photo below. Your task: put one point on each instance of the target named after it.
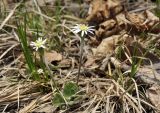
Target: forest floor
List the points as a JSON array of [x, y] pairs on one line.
[[114, 67]]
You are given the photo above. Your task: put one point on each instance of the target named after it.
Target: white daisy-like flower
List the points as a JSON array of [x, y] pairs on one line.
[[40, 71], [84, 29], [40, 43]]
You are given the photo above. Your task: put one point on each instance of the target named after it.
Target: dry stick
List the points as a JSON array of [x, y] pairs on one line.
[[18, 98], [1, 56], [80, 59], [10, 15], [39, 10], [43, 15], [5, 108], [138, 98]]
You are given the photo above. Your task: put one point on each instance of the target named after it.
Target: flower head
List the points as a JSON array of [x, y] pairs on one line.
[[40, 71], [84, 29], [38, 44]]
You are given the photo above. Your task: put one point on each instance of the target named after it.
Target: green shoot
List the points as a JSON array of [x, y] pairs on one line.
[[21, 29]]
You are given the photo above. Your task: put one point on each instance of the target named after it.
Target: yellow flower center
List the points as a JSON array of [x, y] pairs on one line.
[[39, 43], [83, 27]]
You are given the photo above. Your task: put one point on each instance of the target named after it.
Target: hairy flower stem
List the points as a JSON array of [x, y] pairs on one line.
[[80, 59]]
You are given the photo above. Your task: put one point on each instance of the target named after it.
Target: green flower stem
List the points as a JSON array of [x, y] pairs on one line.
[[80, 59]]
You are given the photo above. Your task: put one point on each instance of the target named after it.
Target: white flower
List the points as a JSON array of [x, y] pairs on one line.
[[84, 29], [40, 71], [38, 44]]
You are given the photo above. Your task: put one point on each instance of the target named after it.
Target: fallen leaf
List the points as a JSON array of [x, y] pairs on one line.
[[106, 29], [108, 45], [53, 56], [137, 20], [151, 19], [148, 75], [100, 10], [91, 61], [65, 63], [142, 21], [153, 93], [110, 16]]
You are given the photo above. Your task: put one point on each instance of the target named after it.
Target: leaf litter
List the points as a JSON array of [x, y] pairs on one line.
[[105, 82]]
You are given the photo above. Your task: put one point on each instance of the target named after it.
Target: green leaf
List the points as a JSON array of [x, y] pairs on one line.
[[70, 89], [58, 100]]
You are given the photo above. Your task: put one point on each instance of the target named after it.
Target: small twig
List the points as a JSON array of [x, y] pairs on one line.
[[43, 15], [18, 101], [39, 10], [5, 108], [1, 56], [10, 15]]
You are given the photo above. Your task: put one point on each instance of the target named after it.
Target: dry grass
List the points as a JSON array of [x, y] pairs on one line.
[[98, 94]]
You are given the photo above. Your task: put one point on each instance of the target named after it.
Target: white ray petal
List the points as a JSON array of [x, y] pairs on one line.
[[82, 34]]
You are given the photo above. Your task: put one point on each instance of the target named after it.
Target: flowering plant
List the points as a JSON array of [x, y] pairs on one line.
[[39, 43], [84, 29]]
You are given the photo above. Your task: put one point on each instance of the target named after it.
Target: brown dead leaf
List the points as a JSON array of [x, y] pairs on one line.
[[111, 18], [142, 21], [151, 19], [65, 63], [153, 94], [148, 75], [106, 29], [137, 20], [53, 56], [91, 61], [121, 19], [101, 10], [108, 45]]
